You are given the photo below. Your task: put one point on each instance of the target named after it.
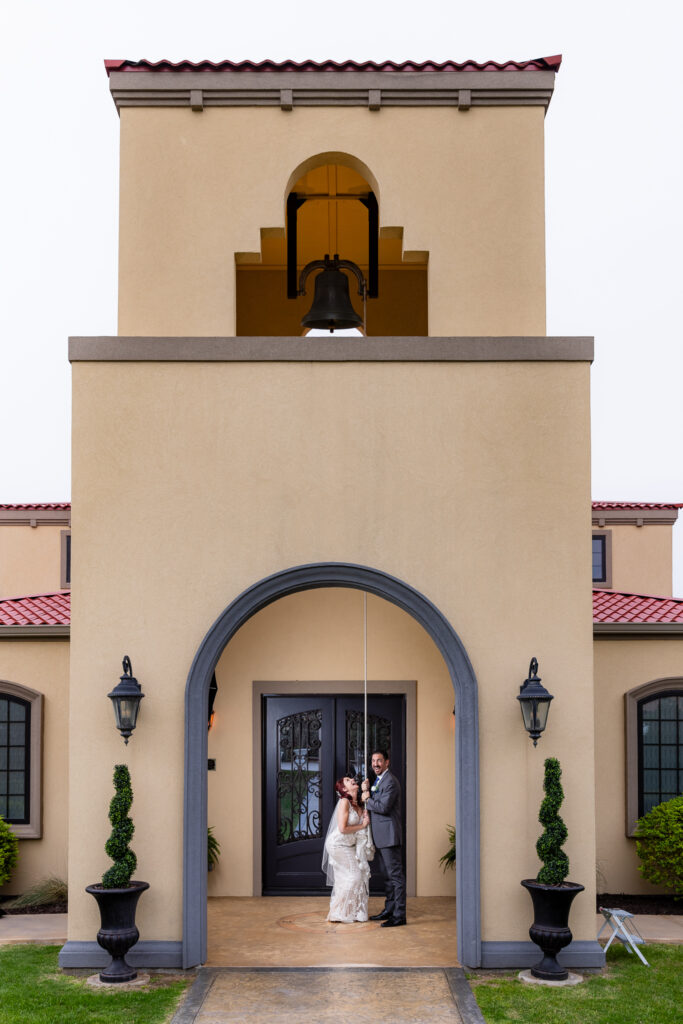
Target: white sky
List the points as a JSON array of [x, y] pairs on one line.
[[614, 208]]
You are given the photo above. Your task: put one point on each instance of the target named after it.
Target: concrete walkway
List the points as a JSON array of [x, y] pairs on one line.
[[41, 929], [329, 995], [653, 927]]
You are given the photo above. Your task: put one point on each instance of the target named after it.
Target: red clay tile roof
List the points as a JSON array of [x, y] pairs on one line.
[[605, 506], [43, 506], [612, 606], [538, 64], [40, 610]]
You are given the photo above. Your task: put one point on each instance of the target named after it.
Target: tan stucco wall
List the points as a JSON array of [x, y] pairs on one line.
[[30, 559], [197, 187], [620, 666], [446, 475], [43, 665], [642, 559], [318, 635]]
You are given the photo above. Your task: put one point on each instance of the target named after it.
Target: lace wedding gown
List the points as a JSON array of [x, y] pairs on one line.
[[345, 862]]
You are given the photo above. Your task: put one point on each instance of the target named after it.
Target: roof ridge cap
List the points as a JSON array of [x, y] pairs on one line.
[[636, 504], [629, 593], [551, 63], [36, 597]]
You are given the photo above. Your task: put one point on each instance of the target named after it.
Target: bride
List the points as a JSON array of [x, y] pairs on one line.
[[348, 848]]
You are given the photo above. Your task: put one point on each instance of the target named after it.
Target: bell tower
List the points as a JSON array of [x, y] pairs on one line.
[[429, 178], [441, 462]]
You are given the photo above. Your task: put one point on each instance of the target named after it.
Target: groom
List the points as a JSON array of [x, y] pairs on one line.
[[383, 800]]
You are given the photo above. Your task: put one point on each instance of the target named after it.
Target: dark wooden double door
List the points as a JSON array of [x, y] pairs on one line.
[[308, 743]]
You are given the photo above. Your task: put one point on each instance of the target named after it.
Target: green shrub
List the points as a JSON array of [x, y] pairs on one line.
[[659, 845], [448, 859], [9, 851], [119, 874], [43, 893], [213, 848], [549, 846]]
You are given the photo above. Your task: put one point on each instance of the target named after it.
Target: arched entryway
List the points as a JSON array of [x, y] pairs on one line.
[[261, 594]]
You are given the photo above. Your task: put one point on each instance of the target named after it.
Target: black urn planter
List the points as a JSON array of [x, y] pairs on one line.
[[118, 932], [550, 929]]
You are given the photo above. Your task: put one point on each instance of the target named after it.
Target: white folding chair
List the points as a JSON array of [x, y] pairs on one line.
[[624, 929]]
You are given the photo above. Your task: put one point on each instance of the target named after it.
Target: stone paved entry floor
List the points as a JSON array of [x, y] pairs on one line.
[[325, 996], [281, 931]]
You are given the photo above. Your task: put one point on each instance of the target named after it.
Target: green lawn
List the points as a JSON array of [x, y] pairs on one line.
[[33, 990], [627, 993]]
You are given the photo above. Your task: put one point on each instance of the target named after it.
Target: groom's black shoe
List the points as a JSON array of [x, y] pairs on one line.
[[393, 922], [382, 916]]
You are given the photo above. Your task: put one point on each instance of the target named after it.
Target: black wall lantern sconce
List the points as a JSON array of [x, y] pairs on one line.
[[126, 699], [534, 700]]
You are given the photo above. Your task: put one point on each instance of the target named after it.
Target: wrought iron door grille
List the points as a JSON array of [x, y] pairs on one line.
[[299, 778], [379, 738]]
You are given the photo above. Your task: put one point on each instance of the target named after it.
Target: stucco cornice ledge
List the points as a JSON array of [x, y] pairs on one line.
[[627, 629], [294, 350], [370, 89], [635, 517], [34, 632], [35, 517]]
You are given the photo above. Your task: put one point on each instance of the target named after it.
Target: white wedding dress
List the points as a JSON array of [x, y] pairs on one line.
[[345, 862]]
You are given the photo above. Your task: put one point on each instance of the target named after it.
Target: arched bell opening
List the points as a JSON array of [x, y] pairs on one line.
[[332, 211]]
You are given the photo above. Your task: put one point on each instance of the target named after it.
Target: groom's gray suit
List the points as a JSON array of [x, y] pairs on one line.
[[387, 833]]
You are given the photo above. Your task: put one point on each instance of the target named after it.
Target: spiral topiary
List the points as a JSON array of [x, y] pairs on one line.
[[119, 874], [549, 846], [9, 851]]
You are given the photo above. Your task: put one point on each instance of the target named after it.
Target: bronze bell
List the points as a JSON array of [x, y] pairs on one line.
[[331, 309]]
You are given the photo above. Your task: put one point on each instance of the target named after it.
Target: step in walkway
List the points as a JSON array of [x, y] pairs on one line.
[[319, 995]]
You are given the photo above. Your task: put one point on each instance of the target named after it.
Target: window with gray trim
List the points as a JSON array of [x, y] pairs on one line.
[[15, 759], [602, 558], [660, 749], [21, 733], [654, 746], [65, 569]]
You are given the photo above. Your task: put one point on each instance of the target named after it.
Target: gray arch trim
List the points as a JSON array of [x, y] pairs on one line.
[[252, 600]]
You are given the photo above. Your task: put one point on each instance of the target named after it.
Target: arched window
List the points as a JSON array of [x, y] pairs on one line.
[[654, 747], [20, 758]]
